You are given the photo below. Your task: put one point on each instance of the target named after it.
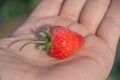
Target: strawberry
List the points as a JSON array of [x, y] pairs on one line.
[[59, 42]]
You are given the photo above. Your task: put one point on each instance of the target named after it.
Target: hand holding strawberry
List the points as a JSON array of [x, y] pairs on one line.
[[94, 19], [59, 42]]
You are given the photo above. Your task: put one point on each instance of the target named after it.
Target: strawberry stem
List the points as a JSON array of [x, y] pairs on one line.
[[46, 41], [32, 42], [46, 47], [43, 34]]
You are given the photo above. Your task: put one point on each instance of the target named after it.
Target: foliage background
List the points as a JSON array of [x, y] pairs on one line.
[[14, 12]]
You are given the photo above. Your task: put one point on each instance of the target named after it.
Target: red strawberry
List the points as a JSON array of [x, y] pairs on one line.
[[64, 42], [60, 42]]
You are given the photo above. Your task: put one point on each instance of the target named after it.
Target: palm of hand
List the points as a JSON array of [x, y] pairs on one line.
[[93, 61], [30, 66]]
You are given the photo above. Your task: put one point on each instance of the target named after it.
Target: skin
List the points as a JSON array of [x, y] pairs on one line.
[[96, 20]]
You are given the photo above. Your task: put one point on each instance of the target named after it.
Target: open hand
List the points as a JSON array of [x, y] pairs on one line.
[[96, 20]]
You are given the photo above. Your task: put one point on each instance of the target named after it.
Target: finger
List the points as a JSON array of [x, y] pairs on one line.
[[47, 8], [110, 27], [93, 13], [72, 8]]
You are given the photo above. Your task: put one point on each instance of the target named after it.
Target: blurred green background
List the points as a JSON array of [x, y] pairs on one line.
[[14, 12]]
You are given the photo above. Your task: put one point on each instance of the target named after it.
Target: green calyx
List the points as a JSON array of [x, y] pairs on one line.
[[44, 44]]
